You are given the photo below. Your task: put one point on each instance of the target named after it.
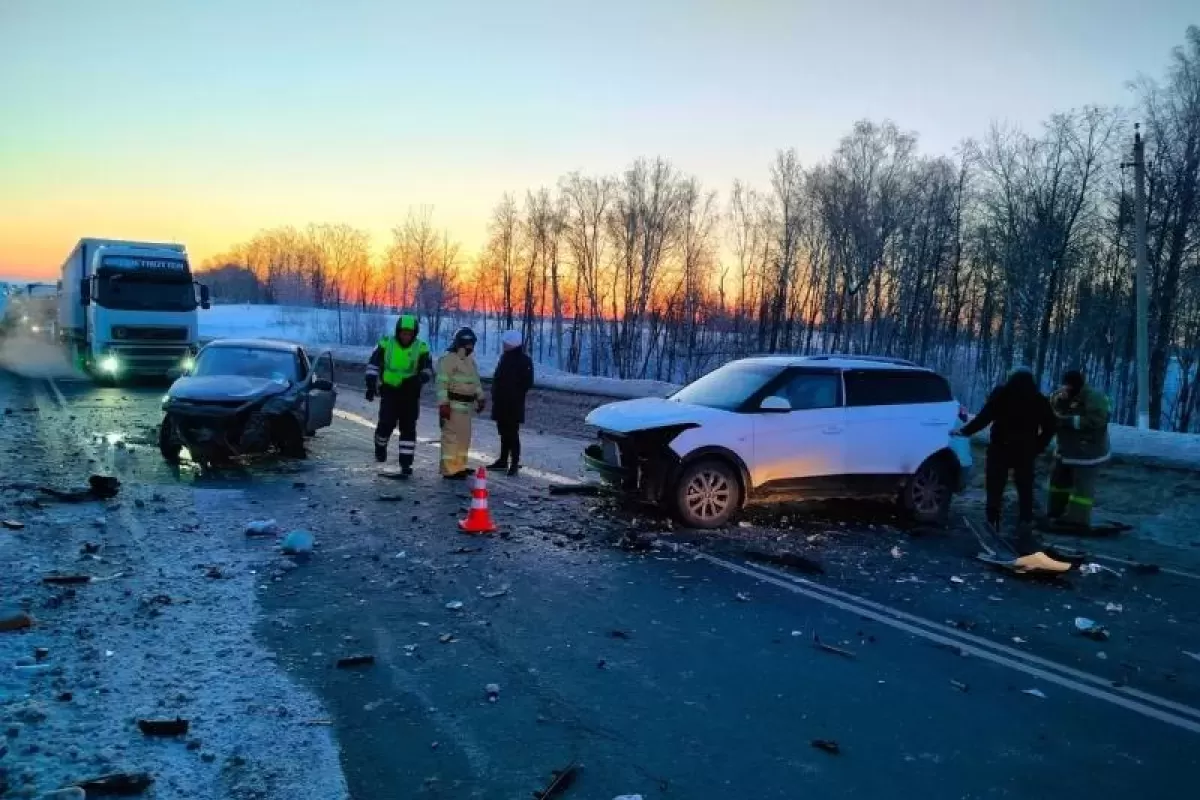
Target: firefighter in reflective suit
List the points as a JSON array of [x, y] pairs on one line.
[[460, 393], [399, 366]]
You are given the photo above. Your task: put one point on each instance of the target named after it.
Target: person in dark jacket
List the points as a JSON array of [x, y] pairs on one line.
[[399, 366], [1023, 425], [512, 381]]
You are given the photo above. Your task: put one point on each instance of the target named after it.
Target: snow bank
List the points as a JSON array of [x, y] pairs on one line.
[[311, 327]]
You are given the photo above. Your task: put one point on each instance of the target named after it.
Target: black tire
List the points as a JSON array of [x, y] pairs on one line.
[[707, 494], [168, 445], [928, 492]]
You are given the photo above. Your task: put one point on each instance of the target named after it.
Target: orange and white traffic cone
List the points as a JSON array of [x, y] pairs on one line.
[[479, 519]]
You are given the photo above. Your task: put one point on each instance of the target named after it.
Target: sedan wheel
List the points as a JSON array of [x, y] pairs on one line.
[[708, 494]]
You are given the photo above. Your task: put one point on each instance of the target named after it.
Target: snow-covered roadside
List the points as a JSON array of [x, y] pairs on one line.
[[165, 629]]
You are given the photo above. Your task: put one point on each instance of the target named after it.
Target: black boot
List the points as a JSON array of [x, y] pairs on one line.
[[381, 454], [499, 463], [514, 469], [406, 470]]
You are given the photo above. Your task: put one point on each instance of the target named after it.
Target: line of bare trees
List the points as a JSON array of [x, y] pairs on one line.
[[1015, 250]]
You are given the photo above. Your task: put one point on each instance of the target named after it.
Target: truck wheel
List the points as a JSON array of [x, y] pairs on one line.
[[708, 494], [168, 445]]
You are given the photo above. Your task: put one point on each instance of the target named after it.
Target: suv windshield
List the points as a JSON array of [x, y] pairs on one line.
[[729, 386], [129, 293], [250, 362]]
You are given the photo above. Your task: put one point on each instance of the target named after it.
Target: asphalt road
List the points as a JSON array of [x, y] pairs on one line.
[[679, 668]]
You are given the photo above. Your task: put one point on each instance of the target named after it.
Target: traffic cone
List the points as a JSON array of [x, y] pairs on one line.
[[479, 519]]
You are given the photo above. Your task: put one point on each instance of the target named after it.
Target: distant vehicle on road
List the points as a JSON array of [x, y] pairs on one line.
[[778, 428], [129, 308], [247, 396]]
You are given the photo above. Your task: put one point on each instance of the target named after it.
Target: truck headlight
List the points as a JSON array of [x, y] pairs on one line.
[[187, 363], [110, 364], [35, 328]]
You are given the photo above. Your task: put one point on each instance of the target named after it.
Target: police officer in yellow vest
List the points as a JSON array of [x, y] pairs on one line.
[[1083, 446], [399, 366], [459, 393]]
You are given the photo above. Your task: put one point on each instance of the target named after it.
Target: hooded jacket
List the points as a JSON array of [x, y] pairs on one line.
[[511, 382], [1022, 419]]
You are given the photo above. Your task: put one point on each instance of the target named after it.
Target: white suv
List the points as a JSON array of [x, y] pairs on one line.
[[779, 428]]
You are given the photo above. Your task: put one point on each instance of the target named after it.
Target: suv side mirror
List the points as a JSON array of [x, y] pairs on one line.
[[775, 404], [85, 292], [322, 385]]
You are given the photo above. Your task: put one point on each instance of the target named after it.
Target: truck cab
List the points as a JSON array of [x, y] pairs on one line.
[[139, 308]]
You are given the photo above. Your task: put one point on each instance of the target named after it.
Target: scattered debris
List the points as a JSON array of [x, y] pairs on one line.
[[582, 489], [297, 543], [492, 690], [463, 551], [41, 653], [788, 560], [1091, 629], [1114, 608], [896, 553], [120, 784], [89, 549], [1093, 568], [355, 661], [503, 590], [628, 797], [454, 605], [1018, 640], [1192, 655], [100, 487], [262, 527], [163, 727], [743, 597], [390, 498], [447, 638], [956, 579], [1145, 569], [1034, 693], [619, 634], [511, 504], [59, 580], [561, 780], [827, 746], [962, 687], [12, 524], [14, 620], [828, 648], [601, 663], [744, 524]]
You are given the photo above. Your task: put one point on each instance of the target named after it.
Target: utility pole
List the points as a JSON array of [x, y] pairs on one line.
[[1140, 278]]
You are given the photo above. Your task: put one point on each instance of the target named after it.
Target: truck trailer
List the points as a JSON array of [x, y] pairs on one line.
[[128, 309]]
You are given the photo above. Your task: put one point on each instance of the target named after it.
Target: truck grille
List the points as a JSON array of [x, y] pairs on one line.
[[150, 333]]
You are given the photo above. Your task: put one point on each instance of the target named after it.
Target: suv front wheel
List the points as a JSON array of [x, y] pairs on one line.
[[707, 494], [927, 493]]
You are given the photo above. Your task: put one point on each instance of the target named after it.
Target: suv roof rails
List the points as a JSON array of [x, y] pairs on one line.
[[900, 362]]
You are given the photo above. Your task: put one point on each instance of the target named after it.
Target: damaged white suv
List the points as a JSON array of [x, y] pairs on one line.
[[785, 428]]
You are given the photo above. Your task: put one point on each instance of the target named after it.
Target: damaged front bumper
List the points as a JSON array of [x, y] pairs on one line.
[[640, 464], [237, 427]]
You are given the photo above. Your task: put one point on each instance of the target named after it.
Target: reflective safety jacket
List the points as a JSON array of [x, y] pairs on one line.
[[458, 381], [1082, 427], [393, 363]]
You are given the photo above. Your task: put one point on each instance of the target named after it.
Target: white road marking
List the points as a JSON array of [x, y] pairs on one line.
[[532, 472], [1031, 665]]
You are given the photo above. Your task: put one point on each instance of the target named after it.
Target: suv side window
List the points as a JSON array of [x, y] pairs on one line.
[[808, 391], [871, 387]]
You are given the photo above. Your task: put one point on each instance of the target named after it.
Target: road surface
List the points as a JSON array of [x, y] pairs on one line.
[[665, 663]]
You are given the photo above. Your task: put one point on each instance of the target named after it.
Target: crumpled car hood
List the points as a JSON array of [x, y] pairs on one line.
[[215, 388], [648, 413]]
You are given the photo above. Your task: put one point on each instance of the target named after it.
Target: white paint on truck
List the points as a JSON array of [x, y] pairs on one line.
[[129, 308]]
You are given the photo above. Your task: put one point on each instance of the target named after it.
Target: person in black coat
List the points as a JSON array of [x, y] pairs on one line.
[[1023, 425], [510, 384]]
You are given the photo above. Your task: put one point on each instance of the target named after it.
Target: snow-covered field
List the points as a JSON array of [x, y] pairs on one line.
[[316, 328]]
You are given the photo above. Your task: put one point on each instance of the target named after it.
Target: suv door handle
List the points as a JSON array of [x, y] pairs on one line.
[[831, 429]]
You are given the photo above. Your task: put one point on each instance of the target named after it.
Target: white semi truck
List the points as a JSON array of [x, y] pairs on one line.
[[129, 309]]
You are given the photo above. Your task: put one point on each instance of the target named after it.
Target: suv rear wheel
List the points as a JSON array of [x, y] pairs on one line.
[[707, 494], [927, 494]]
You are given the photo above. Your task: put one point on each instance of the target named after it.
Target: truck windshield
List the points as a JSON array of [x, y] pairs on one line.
[[130, 293], [250, 362]]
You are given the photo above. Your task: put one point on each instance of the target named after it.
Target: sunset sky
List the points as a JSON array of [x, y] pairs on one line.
[[205, 121]]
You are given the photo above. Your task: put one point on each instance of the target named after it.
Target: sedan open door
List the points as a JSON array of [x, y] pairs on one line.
[[322, 393]]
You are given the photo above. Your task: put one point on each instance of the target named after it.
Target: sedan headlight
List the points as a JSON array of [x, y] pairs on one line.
[[110, 364]]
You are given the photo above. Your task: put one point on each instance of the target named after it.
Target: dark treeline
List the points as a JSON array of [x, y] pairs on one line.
[[1016, 249]]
